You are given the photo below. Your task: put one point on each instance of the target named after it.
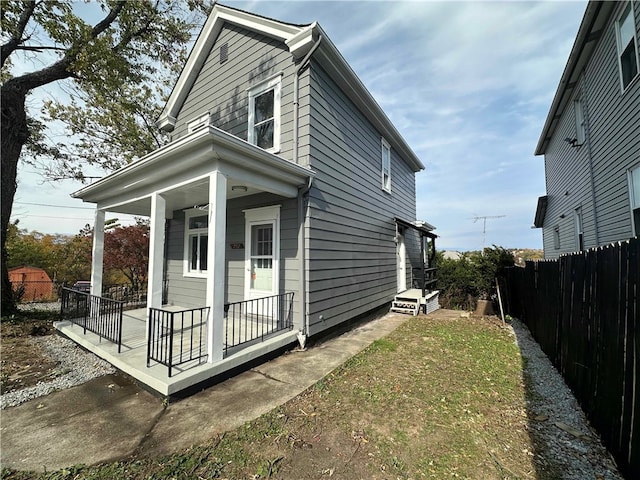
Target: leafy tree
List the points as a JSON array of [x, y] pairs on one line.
[[110, 67], [126, 250], [34, 249], [74, 257]]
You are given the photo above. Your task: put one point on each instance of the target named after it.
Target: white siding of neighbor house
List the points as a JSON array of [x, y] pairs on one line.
[[613, 144], [351, 250]]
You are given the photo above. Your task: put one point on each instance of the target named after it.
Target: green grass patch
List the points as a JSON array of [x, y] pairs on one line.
[[438, 398]]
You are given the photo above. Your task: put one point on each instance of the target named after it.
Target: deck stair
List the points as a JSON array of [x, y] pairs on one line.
[[406, 303], [411, 302]]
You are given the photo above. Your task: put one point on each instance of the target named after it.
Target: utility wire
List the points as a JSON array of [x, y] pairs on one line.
[[49, 205]]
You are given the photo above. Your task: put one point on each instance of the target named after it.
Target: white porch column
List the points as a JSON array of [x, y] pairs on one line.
[[156, 251], [97, 253], [215, 265]]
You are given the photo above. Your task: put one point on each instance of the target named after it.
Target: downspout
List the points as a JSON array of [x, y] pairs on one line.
[[302, 223], [585, 107], [302, 192], [296, 95]]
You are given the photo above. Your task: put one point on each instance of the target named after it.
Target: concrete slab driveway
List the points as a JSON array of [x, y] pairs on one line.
[[109, 418]]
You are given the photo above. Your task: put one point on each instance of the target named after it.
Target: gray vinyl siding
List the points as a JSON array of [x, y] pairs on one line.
[[188, 292], [221, 89], [613, 144], [351, 256], [191, 292]]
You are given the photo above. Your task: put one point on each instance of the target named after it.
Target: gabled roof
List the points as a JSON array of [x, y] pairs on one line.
[[299, 39], [591, 29]]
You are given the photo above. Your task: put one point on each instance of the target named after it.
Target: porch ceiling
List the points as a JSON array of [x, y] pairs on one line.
[[186, 196], [180, 172]]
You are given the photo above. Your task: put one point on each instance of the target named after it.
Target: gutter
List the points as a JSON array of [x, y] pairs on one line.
[[585, 36]]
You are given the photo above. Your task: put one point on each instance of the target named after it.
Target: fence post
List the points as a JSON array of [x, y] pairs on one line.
[[149, 336]]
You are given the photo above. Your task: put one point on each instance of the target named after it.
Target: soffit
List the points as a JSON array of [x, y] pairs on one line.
[[593, 23]]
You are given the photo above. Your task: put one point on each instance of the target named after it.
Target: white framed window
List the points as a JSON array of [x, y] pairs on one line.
[[556, 237], [386, 165], [579, 230], [627, 46], [264, 115], [197, 123], [196, 238], [580, 124], [634, 198]]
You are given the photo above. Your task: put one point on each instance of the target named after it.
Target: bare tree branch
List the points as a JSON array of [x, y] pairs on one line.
[[38, 48]]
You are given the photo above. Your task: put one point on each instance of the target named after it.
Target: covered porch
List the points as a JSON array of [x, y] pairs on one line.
[[193, 182], [245, 339]]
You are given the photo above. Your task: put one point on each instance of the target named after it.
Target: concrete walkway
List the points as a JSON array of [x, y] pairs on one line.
[[109, 418]]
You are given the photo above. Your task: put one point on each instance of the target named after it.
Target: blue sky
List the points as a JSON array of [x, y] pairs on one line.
[[468, 85]]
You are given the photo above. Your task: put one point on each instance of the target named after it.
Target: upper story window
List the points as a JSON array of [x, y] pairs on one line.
[[264, 115], [386, 166], [556, 237], [197, 123], [634, 198], [580, 124], [196, 238], [627, 46]]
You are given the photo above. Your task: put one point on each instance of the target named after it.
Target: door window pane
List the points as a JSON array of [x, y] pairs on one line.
[[198, 222]]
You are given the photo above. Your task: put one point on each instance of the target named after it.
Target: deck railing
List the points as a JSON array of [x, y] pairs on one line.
[[253, 320], [99, 315], [424, 279], [176, 337]]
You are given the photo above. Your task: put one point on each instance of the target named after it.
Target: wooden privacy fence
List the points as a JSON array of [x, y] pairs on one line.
[[583, 311]]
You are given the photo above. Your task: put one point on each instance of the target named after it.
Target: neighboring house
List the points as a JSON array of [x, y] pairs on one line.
[[451, 255], [591, 138], [284, 203], [32, 283]]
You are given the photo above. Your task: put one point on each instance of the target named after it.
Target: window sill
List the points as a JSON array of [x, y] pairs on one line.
[[194, 275], [631, 84]]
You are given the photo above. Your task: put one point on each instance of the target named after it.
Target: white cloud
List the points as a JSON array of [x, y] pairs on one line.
[[468, 84]]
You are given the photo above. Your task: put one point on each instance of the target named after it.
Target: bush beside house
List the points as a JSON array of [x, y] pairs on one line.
[[472, 277]]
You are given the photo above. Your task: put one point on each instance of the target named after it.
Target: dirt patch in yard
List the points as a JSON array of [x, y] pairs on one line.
[[25, 361]]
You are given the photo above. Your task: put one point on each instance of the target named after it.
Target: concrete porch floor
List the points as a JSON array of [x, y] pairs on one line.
[[132, 358]]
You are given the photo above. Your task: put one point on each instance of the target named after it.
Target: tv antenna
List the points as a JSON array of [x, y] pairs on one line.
[[484, 225]]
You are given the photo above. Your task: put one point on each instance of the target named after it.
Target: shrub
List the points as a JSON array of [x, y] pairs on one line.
[[462, 282]]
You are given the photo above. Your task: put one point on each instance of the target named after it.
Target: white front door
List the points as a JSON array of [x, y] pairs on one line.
[[401, 254], [262, 252]]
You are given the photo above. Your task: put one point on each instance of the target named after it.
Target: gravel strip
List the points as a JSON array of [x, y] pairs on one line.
[[572, 457], [76, 367], [39, 307]]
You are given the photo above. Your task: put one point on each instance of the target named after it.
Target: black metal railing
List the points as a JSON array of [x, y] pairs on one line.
[[424, 279], [176, 337], [253, 320], [99, 315], [132, 296]]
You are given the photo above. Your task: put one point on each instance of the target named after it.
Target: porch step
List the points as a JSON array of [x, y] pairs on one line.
[[406, 305], [431, 302]]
